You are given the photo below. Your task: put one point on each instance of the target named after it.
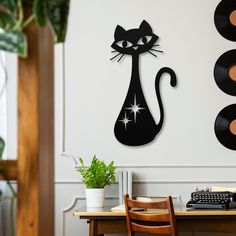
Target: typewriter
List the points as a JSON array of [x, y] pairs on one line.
[[212, 200]]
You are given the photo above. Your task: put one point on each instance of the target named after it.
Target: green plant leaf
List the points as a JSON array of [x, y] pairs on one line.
[[7, 21], [13, 41], [57, 13], [10, 4], [39, 11], [98, 174], [2, 146]]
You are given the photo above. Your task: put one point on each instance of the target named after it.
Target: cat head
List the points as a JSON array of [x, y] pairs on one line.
[[134, 41]]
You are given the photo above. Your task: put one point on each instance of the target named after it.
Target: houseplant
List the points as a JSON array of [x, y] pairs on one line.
[[19, 22], [14, 18], [96, 177]]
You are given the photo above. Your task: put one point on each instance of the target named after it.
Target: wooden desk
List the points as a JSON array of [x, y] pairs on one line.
[[105, 221]]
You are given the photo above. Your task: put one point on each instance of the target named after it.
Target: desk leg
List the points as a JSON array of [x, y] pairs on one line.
[[93, 228]]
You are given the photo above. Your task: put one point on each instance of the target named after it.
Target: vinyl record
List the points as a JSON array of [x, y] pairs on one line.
[[225, 127], [225, 72], [225, 19]]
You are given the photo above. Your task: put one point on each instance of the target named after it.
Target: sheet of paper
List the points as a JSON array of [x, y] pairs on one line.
[[118, 208]]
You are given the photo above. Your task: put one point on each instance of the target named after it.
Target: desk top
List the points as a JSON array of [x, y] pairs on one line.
[[106, 211]]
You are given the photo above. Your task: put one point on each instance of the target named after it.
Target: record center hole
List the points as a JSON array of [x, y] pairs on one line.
[[232, 127], [232, 73], [232, 17]]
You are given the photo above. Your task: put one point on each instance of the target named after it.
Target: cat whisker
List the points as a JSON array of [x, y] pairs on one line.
[[115, 56], [152, 54], [121, 57], [156, 45], [113, 51], [156, 50]]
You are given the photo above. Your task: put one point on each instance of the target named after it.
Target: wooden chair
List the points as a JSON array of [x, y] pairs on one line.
[[159, 221]]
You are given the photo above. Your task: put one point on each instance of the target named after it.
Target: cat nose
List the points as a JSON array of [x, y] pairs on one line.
[[135, 47]]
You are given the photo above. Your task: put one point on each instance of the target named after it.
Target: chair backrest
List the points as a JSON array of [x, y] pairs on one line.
[[155, 217]]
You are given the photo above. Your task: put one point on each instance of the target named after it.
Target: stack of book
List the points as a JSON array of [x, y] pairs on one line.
[[149, 199], [121, 207]]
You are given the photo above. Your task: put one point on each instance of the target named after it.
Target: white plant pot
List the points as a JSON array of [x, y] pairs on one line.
[[94, 197]]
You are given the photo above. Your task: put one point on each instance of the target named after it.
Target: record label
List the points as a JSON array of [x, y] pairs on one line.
[[232, 127], [225, 19], [232, 73], [225, 127], [232, 17], [225, 72]]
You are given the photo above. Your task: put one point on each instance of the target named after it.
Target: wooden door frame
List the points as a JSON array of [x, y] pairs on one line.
[[35, 164]]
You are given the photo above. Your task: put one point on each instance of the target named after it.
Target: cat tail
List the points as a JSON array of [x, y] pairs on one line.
[[173, 83]]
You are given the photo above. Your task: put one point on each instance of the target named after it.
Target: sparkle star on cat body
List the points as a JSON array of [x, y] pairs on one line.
[[125, 120], [135, 108]]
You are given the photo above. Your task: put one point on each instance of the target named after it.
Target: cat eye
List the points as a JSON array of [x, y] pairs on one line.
[[124, 44], [144, 40]]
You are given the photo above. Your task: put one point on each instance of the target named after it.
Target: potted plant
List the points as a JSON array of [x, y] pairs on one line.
[[96, 177], [20, 21], [14, 18]]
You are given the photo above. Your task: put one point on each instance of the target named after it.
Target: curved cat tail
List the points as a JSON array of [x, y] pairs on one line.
[[173, 83]]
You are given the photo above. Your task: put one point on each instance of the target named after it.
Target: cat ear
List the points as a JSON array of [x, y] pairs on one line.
[[119, 32], [145, 27]]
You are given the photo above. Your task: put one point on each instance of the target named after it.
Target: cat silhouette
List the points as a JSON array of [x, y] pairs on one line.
[[135, 124]]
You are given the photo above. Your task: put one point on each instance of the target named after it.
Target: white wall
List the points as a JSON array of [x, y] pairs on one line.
[[90, 91]]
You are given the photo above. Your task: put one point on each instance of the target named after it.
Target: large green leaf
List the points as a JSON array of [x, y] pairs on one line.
[[13, 41], [10, 4], [2, 146], [39, 11], [57, 13], [7, 21]]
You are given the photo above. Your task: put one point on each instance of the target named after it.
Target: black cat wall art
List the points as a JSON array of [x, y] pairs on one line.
[[135, 125]]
